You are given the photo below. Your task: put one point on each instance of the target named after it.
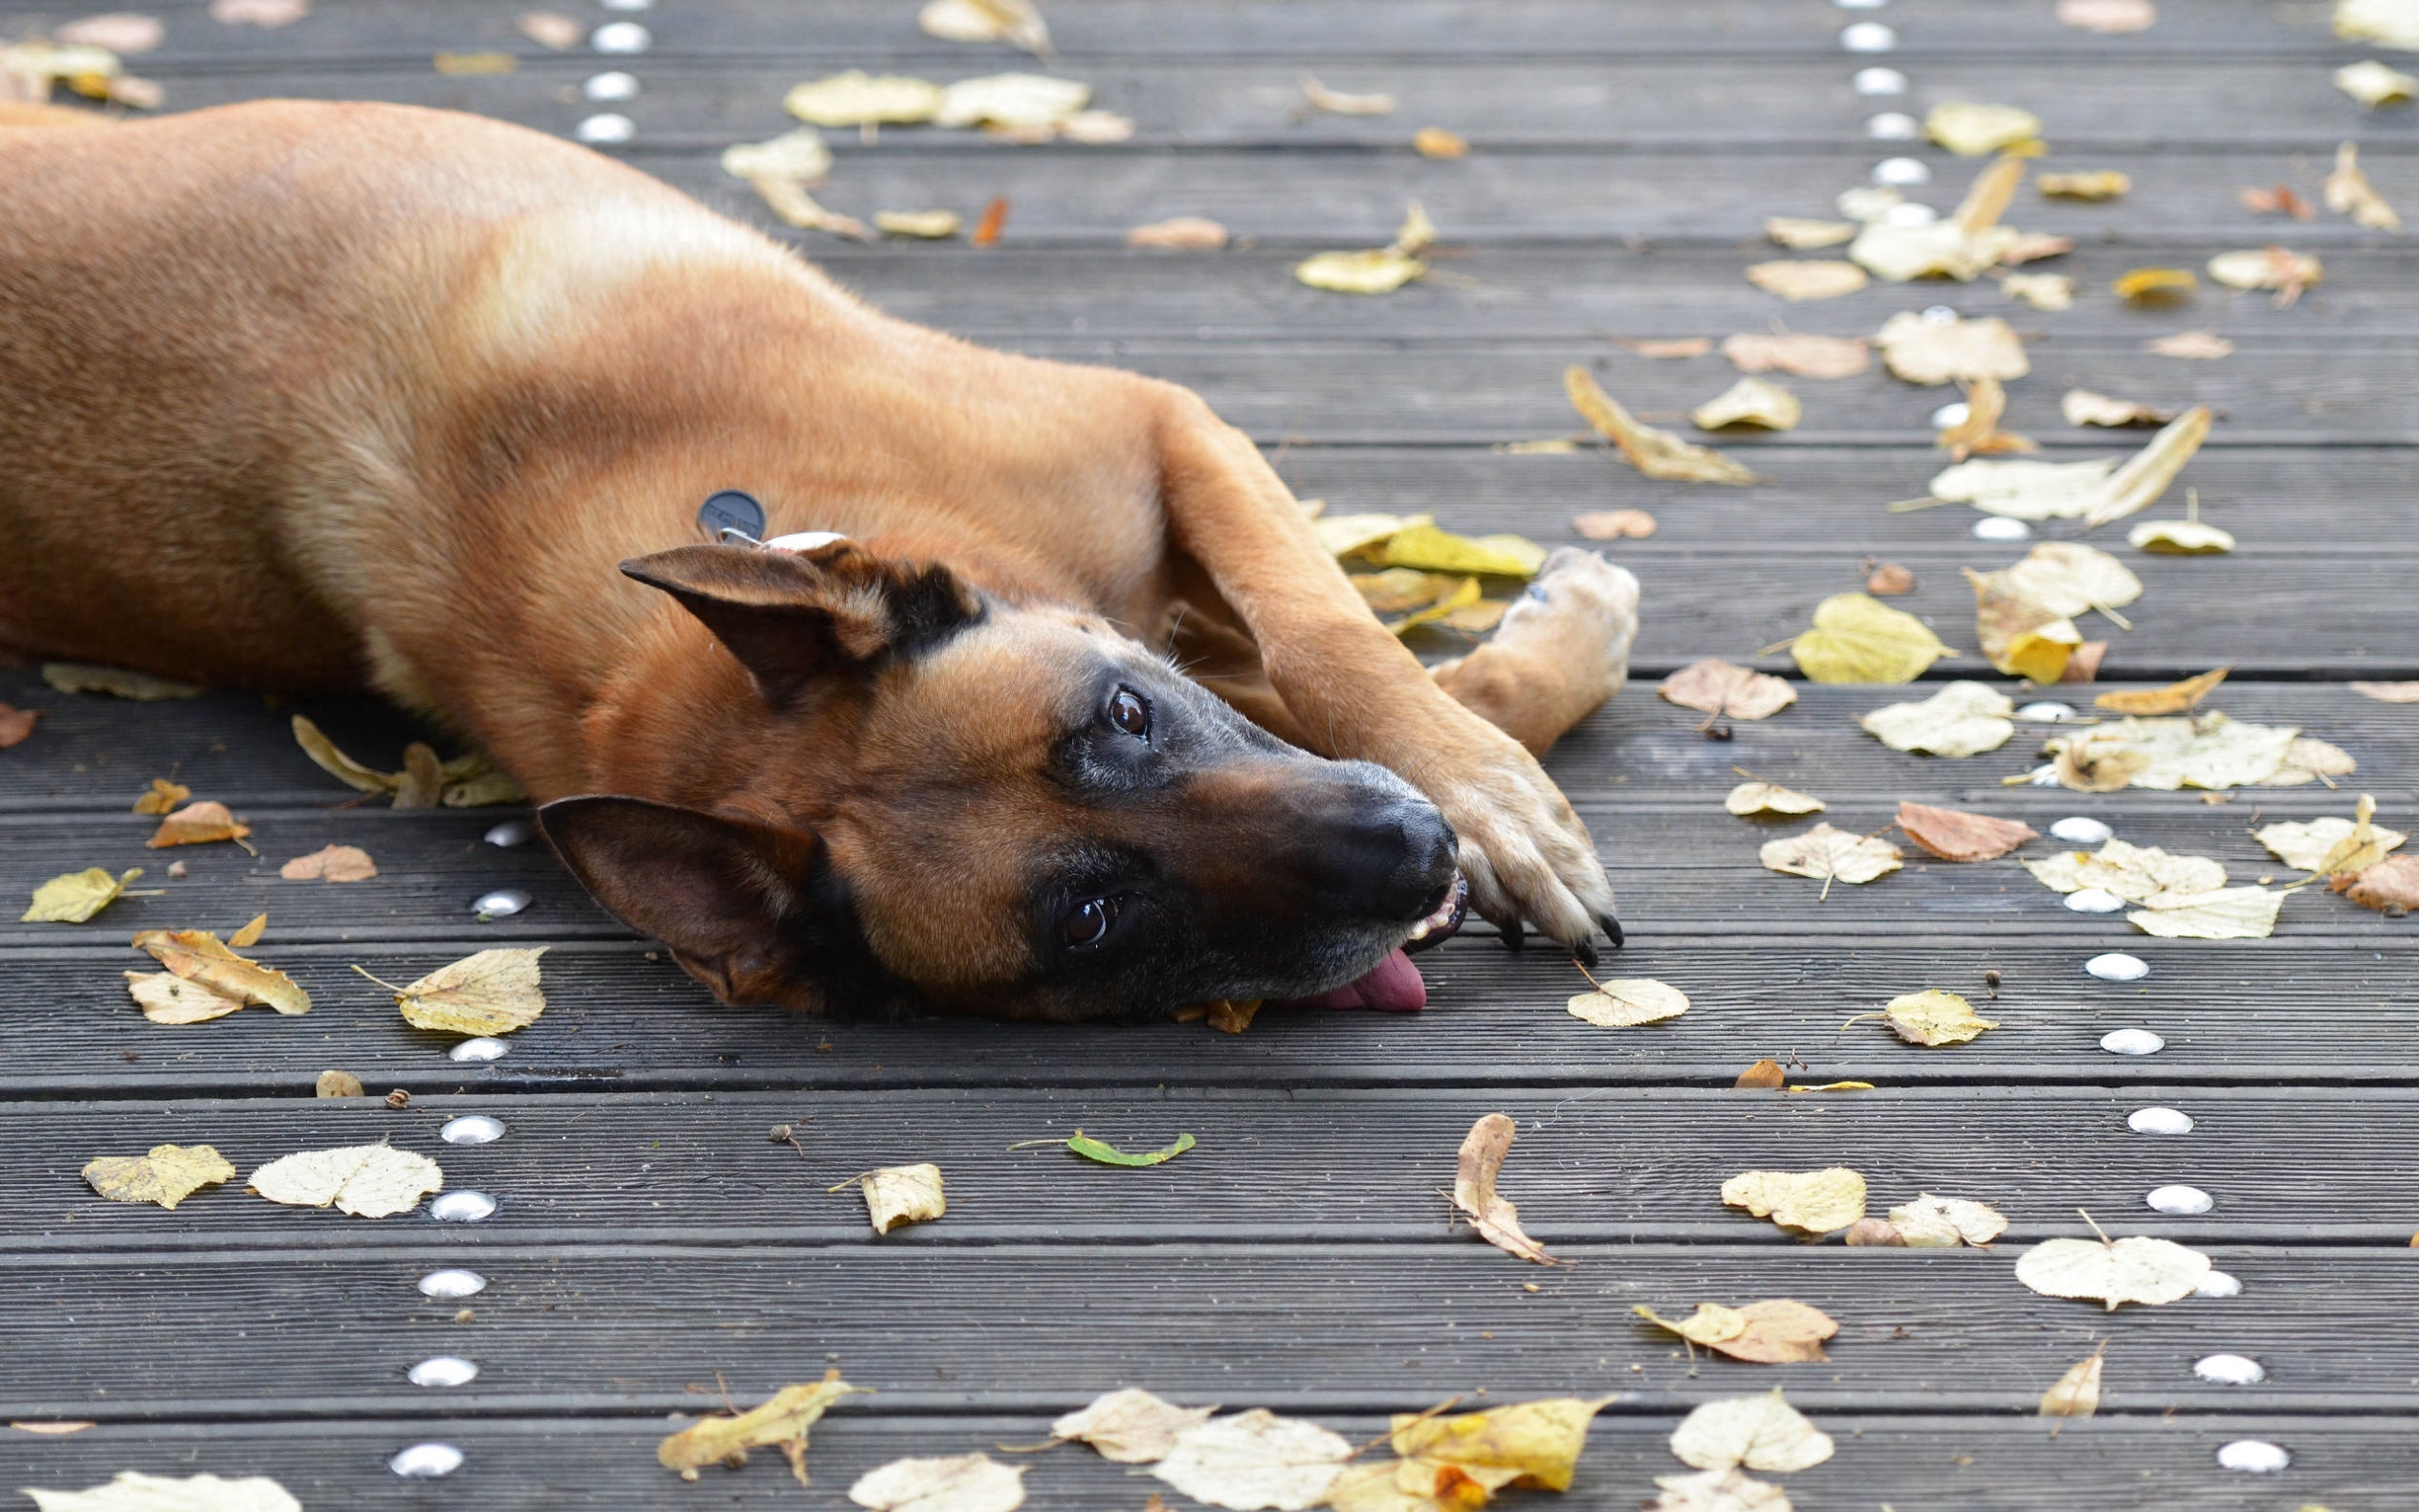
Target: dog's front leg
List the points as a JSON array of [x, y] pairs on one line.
[[1357, 694]]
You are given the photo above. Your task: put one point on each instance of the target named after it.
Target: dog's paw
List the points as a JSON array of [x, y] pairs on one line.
[[1527, 857], [1579, 616]]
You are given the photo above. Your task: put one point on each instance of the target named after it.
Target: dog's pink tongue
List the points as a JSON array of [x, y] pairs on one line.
[[1394, 987]]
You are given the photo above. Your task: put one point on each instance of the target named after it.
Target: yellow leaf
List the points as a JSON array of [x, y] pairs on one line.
[[1777, 1332], [1930, 1222], [250, 934], [1815, 1201], [368, 1181], [1625, 1002], [1749, 402], [470, 64], [198, 955], [2156, 285], [896, 1195], [2143, 874], [1494, 1216], [2373, 84], [198, 824], [2076, 1393], [1399, 589], [2019, 635], [1974, 131], [1459, 596], [163, 798], [493, 992], [2230, 913], [75, 896], [1656, 454], [1814, 278], [2175, 698], [167, 1175], [1831, 855], [1540, 1441], [165, 997], [1859, 639], [2101, 185], [2208, 749], [855, 98], [1422, 545], [1380, 270], [1435, 141], [921, 225], [2179, 538], [780, 1423], [1351, 535], [1934, 1018], [2331, 845], [1963, 719]]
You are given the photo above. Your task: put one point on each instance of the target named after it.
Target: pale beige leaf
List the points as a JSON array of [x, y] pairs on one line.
[[2076, 1393], [2144, 478], [1723, 1490], [2348, 193], [2067, 577], [339, 1084], [2143, 874], [1534, 1443], [2308, 760], [1749, 402], [1963, 719], [1656, 454], [73, 897], [2388, 693], [133, 1491], [2307, 846], [1255, 1459], [1812, 278], [2113, 18], [1794, 352], [2179, 538], [1181, 233], [857, 99], [2208, 749], [118, 32], [1954, 835], [2230, 913], [1335, 102], [2042, 290], [1480, 1163], [1380, 270], [896, 1195], [2027, 490], [1728, 690], [1930, 1222], [1921, 351], [82, 677], [1131, 1426], [1935, 1018], [331, 863], [368, 1181], [1012, 21], [200, 956], [1941, 248], [493, 992], [918, 225], [2192, 345], [167, 1176], [2142, 1270], [2080, 406], [167, 997], [1665, 349], [2389, 23], [1776, 1333], [2373, 84], [1831, 855], [1799, 235], [1622, 1003], [1753, 799], [1974, 131], [1349, 534], [1010, 100], [780, 1422], [1615, 524], [972, 1482], [1759, 1433], [1814, 1201], [2268, 268]]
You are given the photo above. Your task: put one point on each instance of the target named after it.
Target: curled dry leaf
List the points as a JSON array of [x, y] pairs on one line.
[[1873, 1233], [2373, 84], [167, 1176], [1656, 454], [1760, 799], [1764, 1076], [250, 934], [339, 1084], [1814, 1201], [918, 225], [1181, 233], [1799, 235], [1811, 278], [75, 896], [2230, 913], [331, 863], [2348, 193], [1131, 1426], [1955, 835], [163, 797], [2388, 693], [2179, 538], [1923, 352], [2100, 186], [2080, 406], [1014, 22], [896, 1195], [2110, 18], [2042, 290], [2391, 887], [2094, 493], [1930, 1222], [2156, 286], [1759, 1433], [1497, 1220], [1858, 639], [2175, 698], [1777, 1332], [1986, 402], [1932, 1018], [2020, 635], [1625, 1002], [368, 1181], [1337, 103], [492, 993], [1717, 1491], [1961, 719], [2143, 874], [1536, 1444], [1749, 402], [200, 823], [2076, 1393], [2203, 347], [1011, 102], [82, 677], [168, 998], [16, 726], [2148, 1271], [1615, 524], [1831, 855], [779, 1423], [1792, 352], [972, 1482], [1974, 131], [133, 1491], [1962, 245], [1255, 1459], [201, 957], [1723, 689], [780, 171], [1889, 580]]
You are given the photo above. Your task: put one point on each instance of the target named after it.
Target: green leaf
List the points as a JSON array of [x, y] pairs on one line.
[[1092, 1149]]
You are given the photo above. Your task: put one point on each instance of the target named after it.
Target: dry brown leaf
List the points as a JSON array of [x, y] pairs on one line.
[[972, 1482], [1722, 688], [200, 956], [198, 824], [493, 992], [1888, 581], [2388, 693], [1337, 103], [73, 897], [1536, 1444], [1873, 1233], [1831, 855], [1256, 1459], [1656, 454], [2201, 346], [1615, 524], [1811, 278], [1764, 1076], [1234, 1015], [2148, 1271], [1679, 347], [2390, 887], [780, 1423], [250, 934], [1131, 1426], [1181, 233], [2076, 1393], [1926, 352], [1759, 1433], [1799, 235], [1494, 1216], [1749, 402], [1777, 1332], [163, 798], [1954, 835], [1814, 1201], [368, 1181], [167, 1176], [2100, 186], [896, 1195], [331, 863], [1794, 352], [16, 725], [2176, 698], [2110, 18], [1758, 800], [339, 1084]]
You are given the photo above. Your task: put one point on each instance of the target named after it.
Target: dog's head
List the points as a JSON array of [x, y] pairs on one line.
[[1013, 811]]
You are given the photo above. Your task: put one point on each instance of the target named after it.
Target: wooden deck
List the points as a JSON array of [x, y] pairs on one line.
[[651, 1242]]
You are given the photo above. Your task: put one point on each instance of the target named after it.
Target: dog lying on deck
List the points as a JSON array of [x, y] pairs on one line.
[[1052, 706]]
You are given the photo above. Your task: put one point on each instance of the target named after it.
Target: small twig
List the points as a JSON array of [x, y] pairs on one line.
[[2097, 1229]]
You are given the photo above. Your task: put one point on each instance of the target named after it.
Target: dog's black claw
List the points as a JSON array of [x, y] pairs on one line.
[[1515, 936], [1612, 928], [1585, 953]]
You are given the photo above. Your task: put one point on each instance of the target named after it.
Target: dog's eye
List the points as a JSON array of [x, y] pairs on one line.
[[1130, 712], [1089, 924]]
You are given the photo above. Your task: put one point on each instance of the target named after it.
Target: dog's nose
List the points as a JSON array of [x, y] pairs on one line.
[[1398, 862]]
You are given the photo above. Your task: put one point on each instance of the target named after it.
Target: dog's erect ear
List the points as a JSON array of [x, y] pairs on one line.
[[792, 616], [751, 911]]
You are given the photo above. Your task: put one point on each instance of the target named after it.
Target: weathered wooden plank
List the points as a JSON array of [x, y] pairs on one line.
[[1594, 1166], [542, 1465], [249, 1333]]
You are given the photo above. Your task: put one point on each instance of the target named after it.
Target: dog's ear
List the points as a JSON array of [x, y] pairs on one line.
[[789, 616], [750, 909]]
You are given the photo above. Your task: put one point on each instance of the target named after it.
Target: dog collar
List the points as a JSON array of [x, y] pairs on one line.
[[731, 516]]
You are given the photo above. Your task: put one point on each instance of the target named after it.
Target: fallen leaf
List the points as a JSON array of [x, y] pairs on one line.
[[163, 798], [197, 824], [2144, 478], [200, 956], [1798, 234], [2070, 577], [259, 12], [550, 29], [2042, 290], [1679, 347], [75, 896], [1422, 545], [921, 225], [336, 763], [1411, 1486], [2143, 874], [1932, 1018], [16, 725], [1831, 855], [1858, 639], [1791, 352], [2331, 846], [2100, 186], [1359, 535], [165, 997], [118, 32], [2110, 18], [1889, 580], [1397, 590], [2394, 23], [2096, 492], [2309, 760], [857, 98], [2179, 538], [1749, 402], [1656, 454], [2076, 1393], [2231, 913], [896, 1195], [2149, 1271], [1335, 103], [1722, 1490], [2156, 286], [493, 992], [2192, 345], [1779, 1332], [2175, 698], [1435, 141], [1814, 1202], [778, 170], [994, 221], [331, 863], [1835, 1086], [2348, 193], [1760, 1433], [250, 934], [1808, 278], [54, 1428], [1974, 131], [2033, 246], [1954, 835], [1182, 233], [2083, 666], [1006, 101], [1255, 1459], [167, 1175], [780, 1423], [1756, 800], [2278, 201], [972, 1482], [2209, 750], [1379, 270], [1963, 719], [339, 1084], [2373, 84], [368, 1181], [1494, 1216], [1721, 688], [79, 677], [1873, 1233], [133, 1491], [2020, 635], [2388, 693], [1012, 21], [2392, 887], [1764, 1076], [1538, 1442], [1959, 246], [1615, 524], [2288, 273], [2080, 406], [1131, 1426], [1978, 431], [1930, 1222], [1626, 1002], [1928, 352], [1108, 1155]]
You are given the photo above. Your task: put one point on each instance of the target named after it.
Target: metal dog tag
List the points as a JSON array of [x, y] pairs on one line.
[[731, 511]]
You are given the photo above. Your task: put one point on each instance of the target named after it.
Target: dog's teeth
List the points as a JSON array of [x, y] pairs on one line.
[[1419, 930]]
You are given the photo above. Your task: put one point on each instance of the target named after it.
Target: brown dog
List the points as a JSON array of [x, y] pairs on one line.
[[318, 397]]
